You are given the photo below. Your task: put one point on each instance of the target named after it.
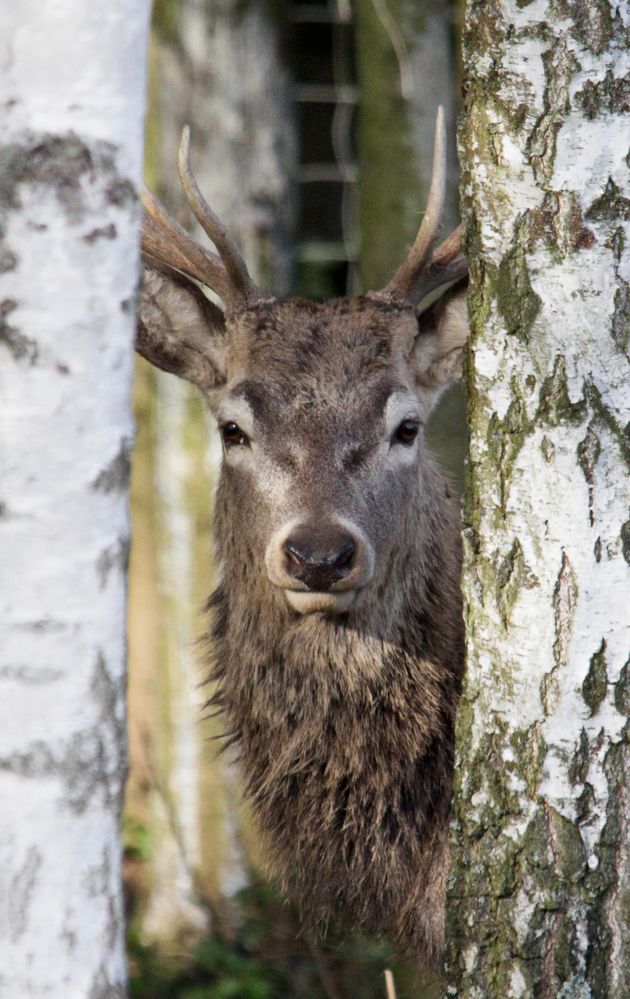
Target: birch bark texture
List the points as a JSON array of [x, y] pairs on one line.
[[73, 78], [539, 897]]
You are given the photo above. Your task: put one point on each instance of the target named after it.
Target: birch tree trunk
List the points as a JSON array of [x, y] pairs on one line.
[[540, 886], [217, 67], [73, 102]]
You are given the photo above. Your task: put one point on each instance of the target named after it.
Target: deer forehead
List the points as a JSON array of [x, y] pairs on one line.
[[332, 343], [309, 411]]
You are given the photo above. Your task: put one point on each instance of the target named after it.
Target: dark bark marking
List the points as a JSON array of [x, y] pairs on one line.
[[21, 347], [564, 601], [32, 676], [61, 163], [91, 762], [622, 690], [595, 686], [115, 476], [20, 892], [114, 557], [101, 232], [610, 205], [588, 452], [608, 96]]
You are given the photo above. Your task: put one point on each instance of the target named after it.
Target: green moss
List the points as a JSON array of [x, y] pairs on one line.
[[595, 684], [505, 439], [517, 301], [529, 749], [555, 406], [513, 574]]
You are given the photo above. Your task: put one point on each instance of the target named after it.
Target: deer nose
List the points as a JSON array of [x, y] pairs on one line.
[[319, 557]]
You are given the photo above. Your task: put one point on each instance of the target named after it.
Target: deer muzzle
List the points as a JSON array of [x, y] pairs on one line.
[[320, 566]]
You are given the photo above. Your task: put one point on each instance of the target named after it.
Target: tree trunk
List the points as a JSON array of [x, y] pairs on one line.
[[540, 886], [73, 93], [218, 68], [405, 70]]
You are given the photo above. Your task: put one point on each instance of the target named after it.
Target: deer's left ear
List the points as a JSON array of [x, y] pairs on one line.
[[438, 350]]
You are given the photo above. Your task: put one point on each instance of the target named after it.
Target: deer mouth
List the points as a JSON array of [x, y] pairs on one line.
[[320, 602]]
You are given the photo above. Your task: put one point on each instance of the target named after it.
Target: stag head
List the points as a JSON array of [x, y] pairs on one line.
[[321, 407]]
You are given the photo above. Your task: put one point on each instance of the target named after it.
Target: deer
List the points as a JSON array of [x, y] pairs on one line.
[[336, 630]]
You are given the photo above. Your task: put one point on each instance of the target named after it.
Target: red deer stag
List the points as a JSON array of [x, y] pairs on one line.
[[337, 625]]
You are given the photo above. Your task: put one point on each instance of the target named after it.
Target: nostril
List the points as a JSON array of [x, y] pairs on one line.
[[345, 557], [295, 556], [319, 557]]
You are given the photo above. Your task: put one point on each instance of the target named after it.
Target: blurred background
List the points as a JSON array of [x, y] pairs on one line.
[[312, 134]]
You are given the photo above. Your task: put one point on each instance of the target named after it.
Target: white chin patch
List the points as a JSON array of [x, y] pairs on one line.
[[309, 602]]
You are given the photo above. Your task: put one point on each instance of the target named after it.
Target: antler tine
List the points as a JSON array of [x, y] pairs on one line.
[[405, 279], [243, 288], [167, 242]]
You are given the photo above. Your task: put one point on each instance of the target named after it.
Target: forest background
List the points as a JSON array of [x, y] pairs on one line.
[[312, 130]]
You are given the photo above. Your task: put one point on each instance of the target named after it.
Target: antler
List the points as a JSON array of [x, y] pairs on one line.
[[213, 226], [167, 242], [419, 274]]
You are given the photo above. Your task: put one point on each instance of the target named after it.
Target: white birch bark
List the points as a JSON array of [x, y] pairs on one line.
[[72, 78], [540, 888]]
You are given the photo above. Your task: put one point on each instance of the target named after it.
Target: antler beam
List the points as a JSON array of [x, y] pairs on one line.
[[167, 242]]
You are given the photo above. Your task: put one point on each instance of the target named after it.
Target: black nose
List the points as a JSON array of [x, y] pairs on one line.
[[319, 556]]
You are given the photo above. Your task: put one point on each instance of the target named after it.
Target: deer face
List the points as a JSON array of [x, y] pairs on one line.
[[321, 408]]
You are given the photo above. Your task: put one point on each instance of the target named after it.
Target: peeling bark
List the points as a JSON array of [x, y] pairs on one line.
[[72, 141], [540, 890]]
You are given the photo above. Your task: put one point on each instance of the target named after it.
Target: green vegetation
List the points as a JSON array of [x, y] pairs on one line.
[[265, 956]]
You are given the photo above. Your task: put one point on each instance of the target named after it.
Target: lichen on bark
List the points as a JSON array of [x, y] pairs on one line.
[[538, 893]]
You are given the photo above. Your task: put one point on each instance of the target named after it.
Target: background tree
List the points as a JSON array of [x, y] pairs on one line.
[[73, 85], [540, 890]]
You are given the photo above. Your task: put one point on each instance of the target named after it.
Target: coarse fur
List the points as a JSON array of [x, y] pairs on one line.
[[343, 709]]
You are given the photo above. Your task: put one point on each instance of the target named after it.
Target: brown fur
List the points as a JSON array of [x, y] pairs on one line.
[[343, 718], [344, 725]]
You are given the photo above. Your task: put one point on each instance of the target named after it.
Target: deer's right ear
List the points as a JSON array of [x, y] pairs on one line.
[[180, 330]]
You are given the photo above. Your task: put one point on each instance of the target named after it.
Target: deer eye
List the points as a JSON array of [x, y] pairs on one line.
[[406, 432], [233, 435]]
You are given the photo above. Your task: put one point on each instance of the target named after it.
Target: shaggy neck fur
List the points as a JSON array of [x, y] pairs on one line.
[[345, 725]]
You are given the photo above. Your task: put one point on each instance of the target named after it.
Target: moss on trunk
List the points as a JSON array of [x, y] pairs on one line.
[[540, 882]]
